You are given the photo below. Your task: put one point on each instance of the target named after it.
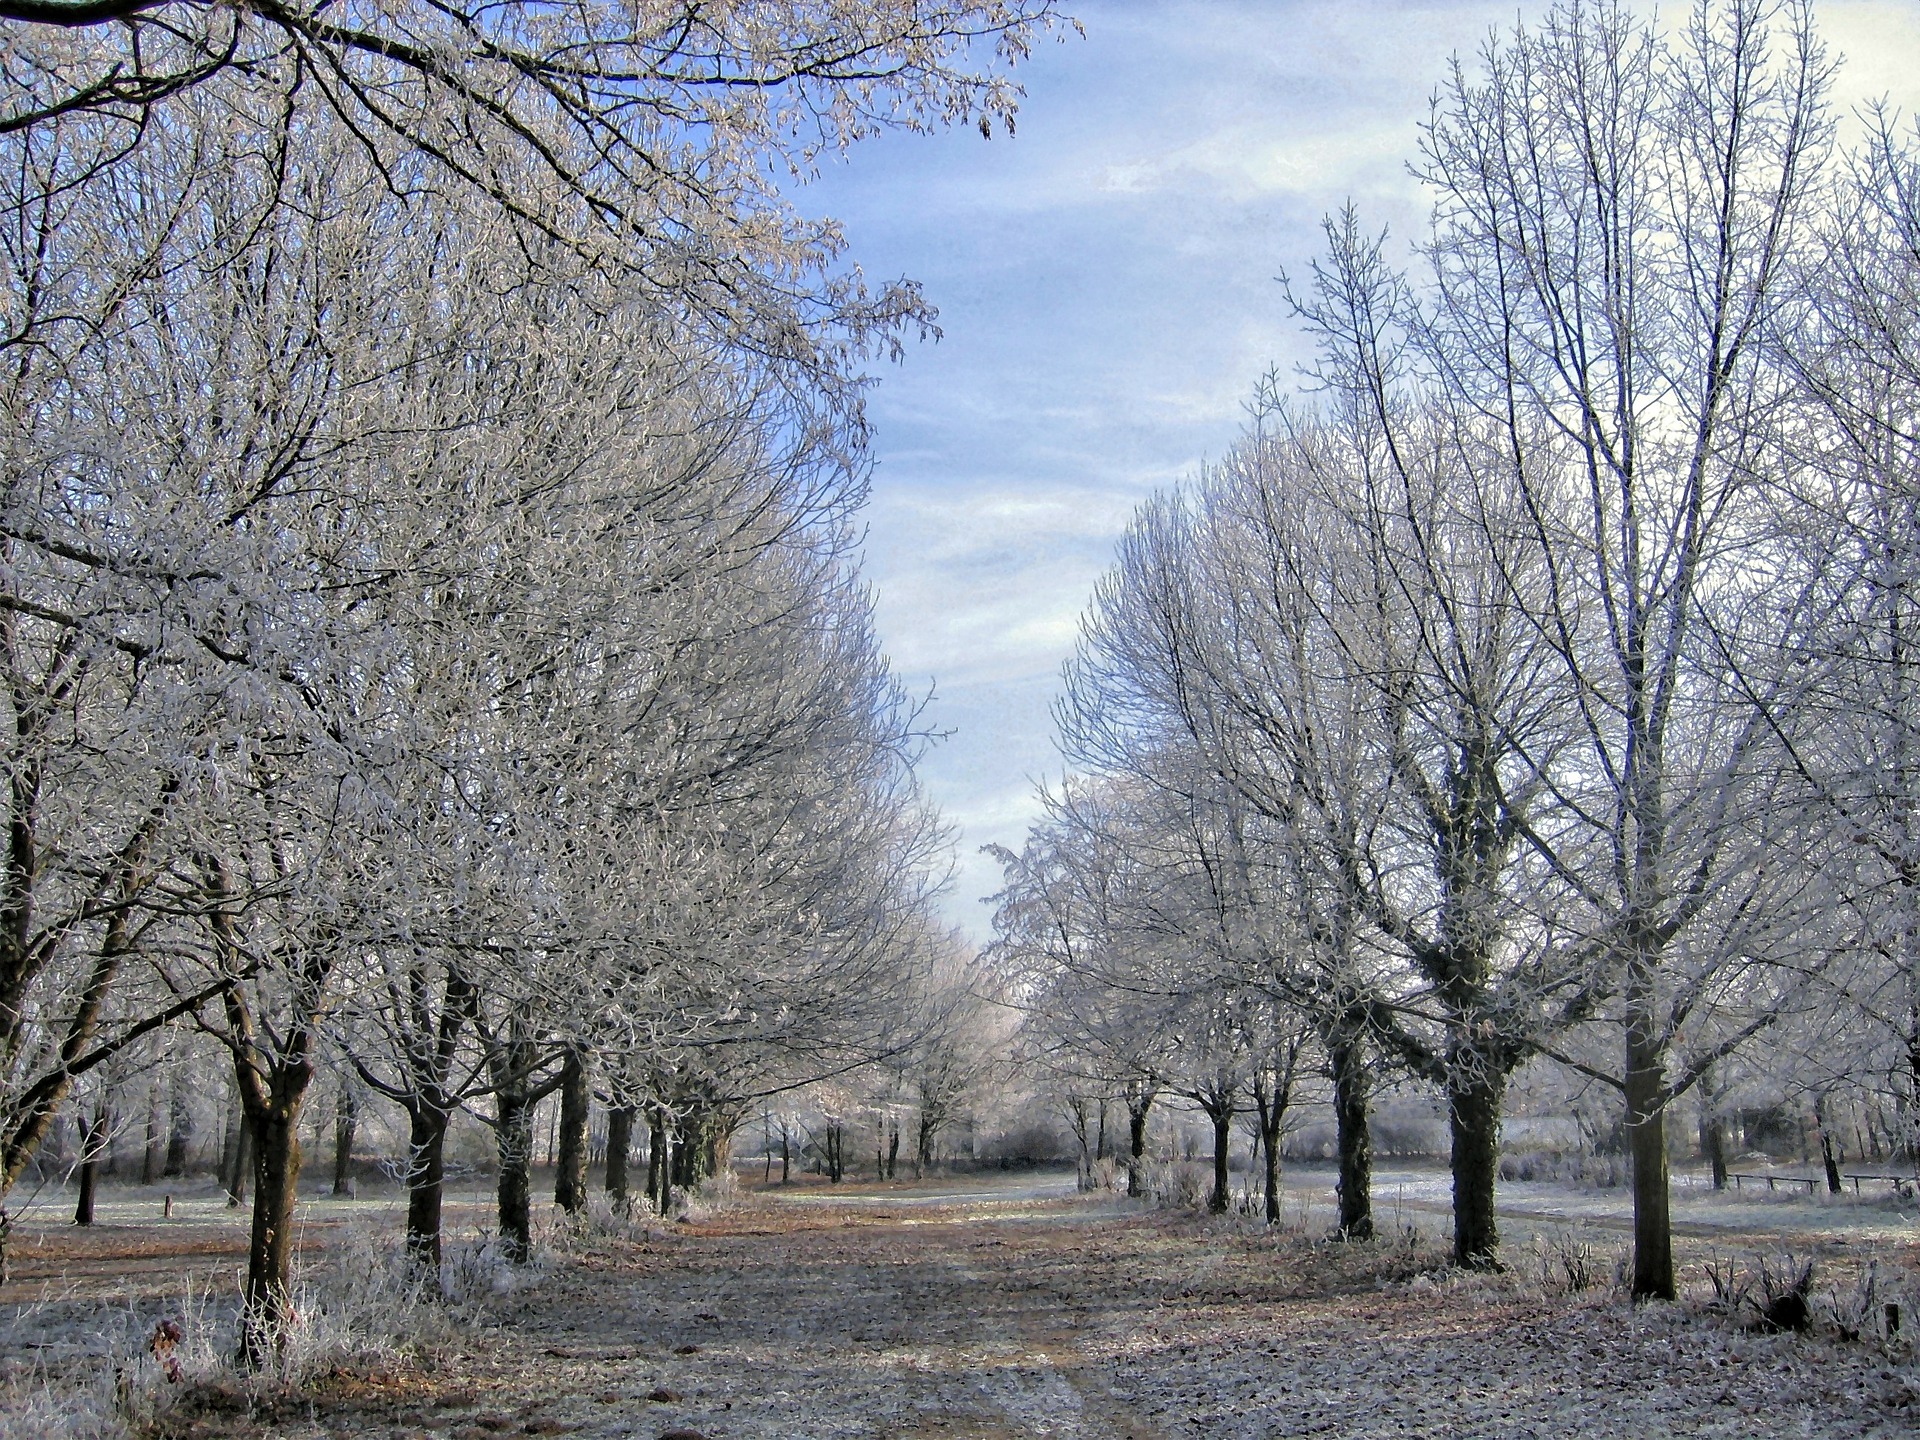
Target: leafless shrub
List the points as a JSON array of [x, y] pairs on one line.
[[1567, 1262], [1732, 1285], [1776, 1294], [1181, 1185]]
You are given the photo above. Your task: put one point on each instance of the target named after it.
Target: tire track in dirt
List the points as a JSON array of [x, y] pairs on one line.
[[841, 1321], [1069, 1393]]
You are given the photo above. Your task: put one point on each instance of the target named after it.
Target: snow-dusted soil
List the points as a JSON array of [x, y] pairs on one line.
[[982, 1309]]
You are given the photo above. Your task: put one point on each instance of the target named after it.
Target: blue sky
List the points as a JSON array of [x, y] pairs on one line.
[[1107, 289]]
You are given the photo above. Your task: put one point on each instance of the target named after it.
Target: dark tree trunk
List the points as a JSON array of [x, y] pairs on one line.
[[1139, 1105], [1222, 1117], [657, 1163], [346, 1120], [93, 1137], [1646, 1125], [1353, 1138], [1270, 1102], [1713, 1142], [786, 1153], [1082, 1131], [153, 1158], [619, 1143], [242, 1162], [893, 1150], [1474, 1116], [514, 1192], [570, 1170], [923, 1147], [179, 1123], [1826, 1145], [1270, 1178], [426, 1183], [276, 1180], [690, 1154]]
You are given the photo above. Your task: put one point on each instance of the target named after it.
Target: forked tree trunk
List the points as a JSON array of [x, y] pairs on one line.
[[1353, 1138], [1270, 1108], [1139, 1106], [923, 1144], [1476, 1089], [570, 1169]]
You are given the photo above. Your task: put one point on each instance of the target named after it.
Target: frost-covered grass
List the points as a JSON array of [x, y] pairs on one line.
[[82, 1359], [1015, 1302]]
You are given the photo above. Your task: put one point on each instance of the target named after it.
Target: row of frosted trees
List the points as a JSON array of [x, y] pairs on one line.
[[1540, 683], [431, 643]]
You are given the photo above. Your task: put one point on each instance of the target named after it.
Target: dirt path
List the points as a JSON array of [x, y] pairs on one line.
[[974, 1310], [951, 1316], [977, 1314]]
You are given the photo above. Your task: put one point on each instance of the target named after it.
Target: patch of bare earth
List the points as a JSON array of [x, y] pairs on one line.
[[976, 1316]]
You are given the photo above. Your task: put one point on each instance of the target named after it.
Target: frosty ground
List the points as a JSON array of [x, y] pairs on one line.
[[1014, 1307]]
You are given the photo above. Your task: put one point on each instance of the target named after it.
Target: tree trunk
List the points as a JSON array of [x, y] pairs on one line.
[[570, 1170], [267, 1308], [242, 1166], [346, 1120], [93, 1135], [514, 1192], [1077, 1122], [179, 1123], [1826, 1144], [1353, 1139], [923, 1147], [619, 1143], [1474, 1116], [1646, 1124], [154, 1156], [893, 1150], [426, 1184], [1138, 1107], [1222, 1117], [786, 1153], [657, 1163], [706, 1137], [1713, 1134], [1270, 1108]]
